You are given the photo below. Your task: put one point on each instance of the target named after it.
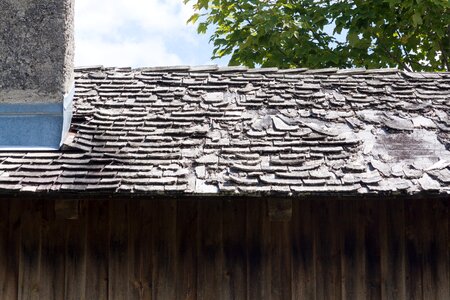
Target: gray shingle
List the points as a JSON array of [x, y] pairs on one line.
[[233, 130]]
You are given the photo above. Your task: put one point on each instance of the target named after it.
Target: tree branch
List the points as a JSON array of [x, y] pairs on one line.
[[394, 58], [445, 55], [405, 53]]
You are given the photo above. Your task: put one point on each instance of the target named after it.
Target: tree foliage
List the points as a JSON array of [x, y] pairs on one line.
[[409, 34]]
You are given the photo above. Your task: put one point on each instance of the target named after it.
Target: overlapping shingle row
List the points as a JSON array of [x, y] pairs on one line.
[[197, 130]]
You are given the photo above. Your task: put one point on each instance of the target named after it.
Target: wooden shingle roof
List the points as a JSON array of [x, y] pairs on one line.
[[209, 130]]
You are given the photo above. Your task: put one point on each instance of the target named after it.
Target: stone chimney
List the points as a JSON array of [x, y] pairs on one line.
[[36, 73]]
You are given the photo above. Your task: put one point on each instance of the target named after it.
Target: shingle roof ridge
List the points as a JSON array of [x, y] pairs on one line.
[[88, 68], [225, 130], [242, 69]]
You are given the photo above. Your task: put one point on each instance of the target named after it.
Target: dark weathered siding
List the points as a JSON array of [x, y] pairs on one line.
[[226, 249]]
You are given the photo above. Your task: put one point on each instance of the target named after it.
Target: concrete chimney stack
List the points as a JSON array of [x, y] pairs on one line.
[[36, 73]]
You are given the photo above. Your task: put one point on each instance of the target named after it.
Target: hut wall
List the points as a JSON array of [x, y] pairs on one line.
[[225, 249]]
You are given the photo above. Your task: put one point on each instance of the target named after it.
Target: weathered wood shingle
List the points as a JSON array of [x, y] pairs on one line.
[[232, 130]]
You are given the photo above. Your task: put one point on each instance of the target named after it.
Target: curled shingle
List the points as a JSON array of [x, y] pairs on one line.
[[397, 123]]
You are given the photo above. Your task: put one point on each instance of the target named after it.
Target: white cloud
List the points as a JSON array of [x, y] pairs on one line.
[[136, 33], [150, 52], [106, 16]]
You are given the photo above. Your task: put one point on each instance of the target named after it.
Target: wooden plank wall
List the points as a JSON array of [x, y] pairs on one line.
[[226, 249]]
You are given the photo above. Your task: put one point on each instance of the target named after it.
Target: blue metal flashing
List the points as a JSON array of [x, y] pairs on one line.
[[35, 126]]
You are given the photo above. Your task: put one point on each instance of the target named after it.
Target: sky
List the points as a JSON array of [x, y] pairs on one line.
[[138, 33]]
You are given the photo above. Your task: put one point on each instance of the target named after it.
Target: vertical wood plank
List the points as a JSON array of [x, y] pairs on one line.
[[9, 259], [349, 246], [146, 244], [303, 267], [323, 259], [417, 229], [140, 243], [135, 249], [210, 251], [75, 271], [234, 247], [97, 249], [30, 251], [413, 249], [4, 223], [446, 241], [429, 250], [164, 264], [281, 259], [392, 232], [52, 253], [441, 216], [4, 228], [446, 203], [372, 249], [258, 255], [328, 285], [435, 254], [187, 236], [118, 283], [336, 228], [360, 255]]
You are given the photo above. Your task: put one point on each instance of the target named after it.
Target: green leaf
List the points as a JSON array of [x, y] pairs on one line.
[[324, 33], [202, 27], [417, 19], [193, 18], [353, 38]]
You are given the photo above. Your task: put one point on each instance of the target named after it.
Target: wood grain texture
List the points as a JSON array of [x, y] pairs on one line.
[[372, 250], [4, 226], [135, 250], [53, 254], [413, 249], [281, 256], [349, 247], [328, 277], [434, 233], [186, 258], [360, 254], [11, 290], [30, 251], [430, 254], [258, 250], [146, 245], [210, 283], [303, 250], [443, 240], [220, 249], [97, 249], [392, 235], [75, 263], [164, 249], [118, 277], [335, 245], [234, 249]]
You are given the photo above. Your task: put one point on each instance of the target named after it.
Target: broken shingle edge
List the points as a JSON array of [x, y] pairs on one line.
[[243, 69], [120, 77]]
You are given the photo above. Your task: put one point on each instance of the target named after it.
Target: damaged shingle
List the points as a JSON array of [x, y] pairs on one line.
[[211, 130]]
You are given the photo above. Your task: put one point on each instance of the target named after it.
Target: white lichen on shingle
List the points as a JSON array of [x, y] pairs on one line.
[[232, 130]]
